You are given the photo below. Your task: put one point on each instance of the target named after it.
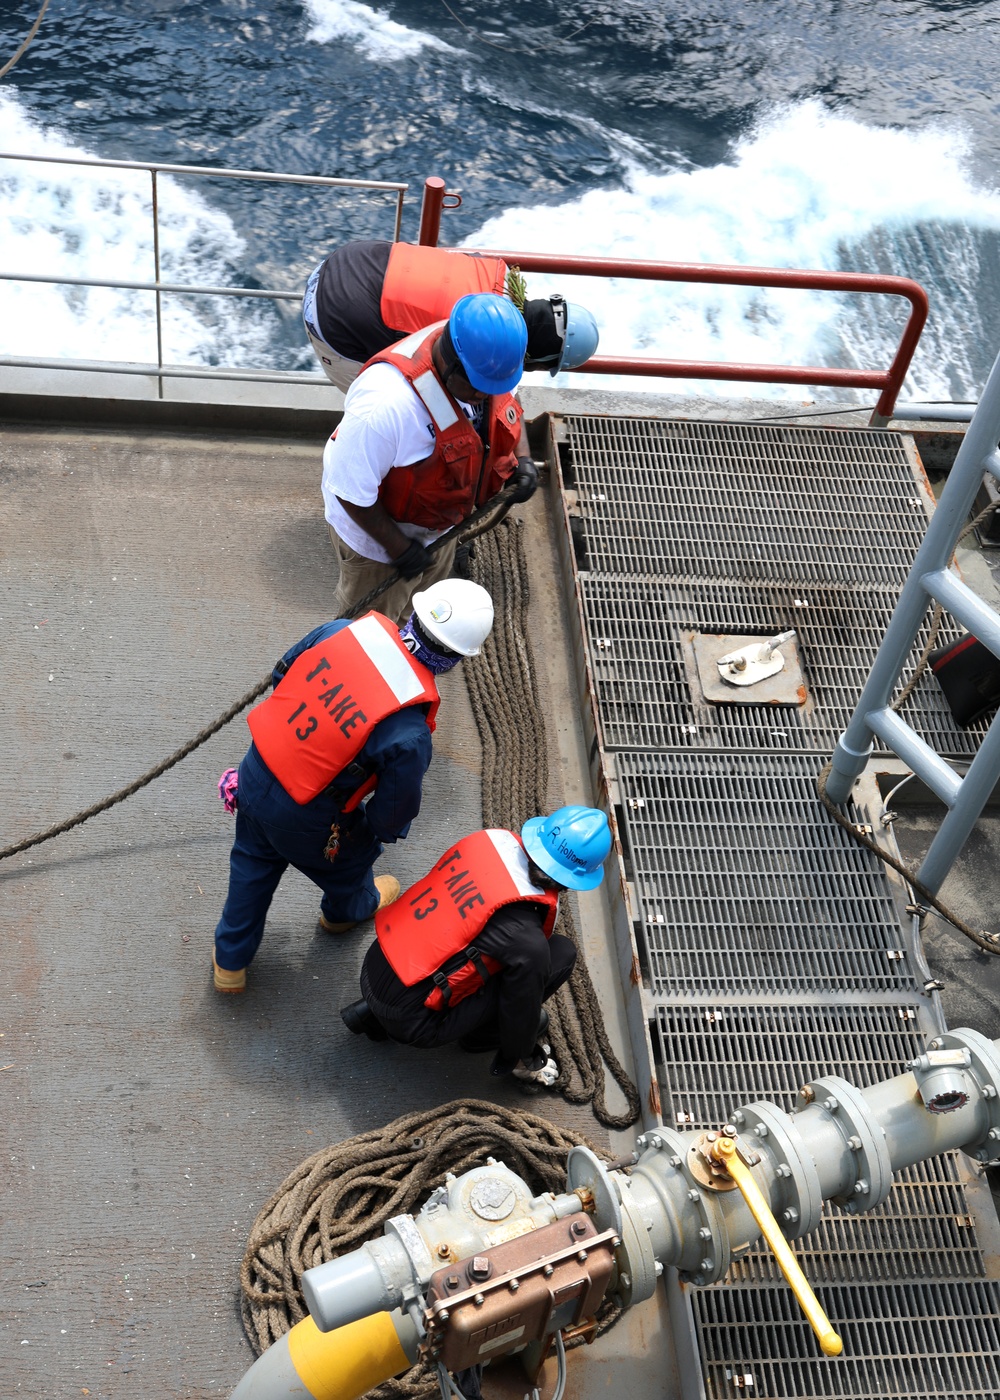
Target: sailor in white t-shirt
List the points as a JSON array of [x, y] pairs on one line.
[[388, 425]]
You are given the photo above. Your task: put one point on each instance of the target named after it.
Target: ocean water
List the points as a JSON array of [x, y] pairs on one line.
[[850, 134]]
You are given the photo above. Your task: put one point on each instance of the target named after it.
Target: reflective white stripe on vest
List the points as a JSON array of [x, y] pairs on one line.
[[511, 852], [439, 406], [409, 347], [387, 659]]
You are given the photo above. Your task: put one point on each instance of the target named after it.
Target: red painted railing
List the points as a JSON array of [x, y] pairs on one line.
[[887, 382]]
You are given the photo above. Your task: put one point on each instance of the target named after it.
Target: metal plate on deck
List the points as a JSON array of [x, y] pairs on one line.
[[785, 687]]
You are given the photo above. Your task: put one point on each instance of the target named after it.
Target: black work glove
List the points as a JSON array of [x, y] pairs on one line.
[[502, 1065], [354, 827], [525, 480], [414, 560], [535, 1061]]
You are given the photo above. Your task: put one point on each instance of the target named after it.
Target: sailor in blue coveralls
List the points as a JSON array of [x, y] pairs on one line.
[[334, 848]]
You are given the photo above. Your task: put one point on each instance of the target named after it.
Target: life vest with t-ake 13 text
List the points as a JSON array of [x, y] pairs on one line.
[[443, 914], [320, 716], [462, 472]]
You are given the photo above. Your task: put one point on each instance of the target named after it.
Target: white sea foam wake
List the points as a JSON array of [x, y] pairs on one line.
[[378, 37], [96, 223], [804, 189]]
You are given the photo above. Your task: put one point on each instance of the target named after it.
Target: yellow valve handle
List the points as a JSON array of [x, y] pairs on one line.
[[723, 1150]]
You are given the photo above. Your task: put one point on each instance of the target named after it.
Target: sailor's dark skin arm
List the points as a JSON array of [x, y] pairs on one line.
[[376, 521]]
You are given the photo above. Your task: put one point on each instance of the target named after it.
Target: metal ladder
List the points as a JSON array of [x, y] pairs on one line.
[[930, 577]]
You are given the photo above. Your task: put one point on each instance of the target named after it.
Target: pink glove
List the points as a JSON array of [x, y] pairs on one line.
[[228, 789]]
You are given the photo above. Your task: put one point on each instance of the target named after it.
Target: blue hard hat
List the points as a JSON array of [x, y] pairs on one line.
[[571, 845], [580, 335], [490, 338]]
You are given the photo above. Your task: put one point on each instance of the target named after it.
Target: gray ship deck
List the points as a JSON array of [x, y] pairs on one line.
[[150, 573]]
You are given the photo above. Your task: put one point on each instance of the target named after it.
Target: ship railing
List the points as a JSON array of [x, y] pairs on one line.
[[888, 382], [160, 288], [436, 199]]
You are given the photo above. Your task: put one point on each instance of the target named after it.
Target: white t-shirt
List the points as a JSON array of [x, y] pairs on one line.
[[385, 425]]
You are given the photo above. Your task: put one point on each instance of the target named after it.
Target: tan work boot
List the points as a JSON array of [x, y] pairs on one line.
[[388, 892], [226, 981]]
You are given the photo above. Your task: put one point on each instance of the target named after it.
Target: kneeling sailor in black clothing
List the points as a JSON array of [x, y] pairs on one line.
[[468, 952]]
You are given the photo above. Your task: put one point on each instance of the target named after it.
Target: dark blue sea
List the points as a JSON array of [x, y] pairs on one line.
[[856, 134]]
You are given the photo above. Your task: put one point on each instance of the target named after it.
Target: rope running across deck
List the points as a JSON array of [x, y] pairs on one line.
[[515, 778], [340, 1197], [482, 519]]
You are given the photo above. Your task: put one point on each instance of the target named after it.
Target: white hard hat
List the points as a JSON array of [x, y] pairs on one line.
[[457, 612]]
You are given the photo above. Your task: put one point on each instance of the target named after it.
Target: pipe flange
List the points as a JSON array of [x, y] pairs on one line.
[[985, 1066], [637, 1266], [709, 1260], [584, 1171], [697, 1219], [863, 1137], [713, 1239], [799, 1204]]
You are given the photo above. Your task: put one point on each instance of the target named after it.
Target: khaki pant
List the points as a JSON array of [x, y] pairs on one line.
[[337, 368], [359, 576]]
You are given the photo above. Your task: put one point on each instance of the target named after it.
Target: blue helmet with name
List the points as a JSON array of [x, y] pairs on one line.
[[490, 338], [571, 845]]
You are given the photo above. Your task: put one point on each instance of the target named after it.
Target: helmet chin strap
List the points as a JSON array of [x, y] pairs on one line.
[[413, 637]]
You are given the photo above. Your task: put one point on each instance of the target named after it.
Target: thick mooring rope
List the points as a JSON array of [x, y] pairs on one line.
[[340, 1197], [480, 520], [511, 723]]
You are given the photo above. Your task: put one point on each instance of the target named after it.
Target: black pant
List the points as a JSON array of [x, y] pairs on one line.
[[411, 1023]]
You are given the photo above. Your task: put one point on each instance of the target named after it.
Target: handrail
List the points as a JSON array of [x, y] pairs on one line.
[[270, 175], [188, 288], [889, 382], [158, 287]]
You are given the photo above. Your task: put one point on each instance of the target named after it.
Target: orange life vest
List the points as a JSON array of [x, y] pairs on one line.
[[316, 722], [422, 284], [444, 913], [460, 474]]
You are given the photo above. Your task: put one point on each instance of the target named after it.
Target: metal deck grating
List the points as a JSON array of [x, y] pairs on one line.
[[648, 691], [931, 1341], [742, 880], [745, 501], [744, 889], [719, 1056], [923, 1230]]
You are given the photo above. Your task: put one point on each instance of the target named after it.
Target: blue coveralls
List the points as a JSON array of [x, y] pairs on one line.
[[274, 831]]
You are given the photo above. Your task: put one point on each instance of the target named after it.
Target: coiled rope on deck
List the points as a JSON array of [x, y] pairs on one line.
[[343, 1195], [503, 690]]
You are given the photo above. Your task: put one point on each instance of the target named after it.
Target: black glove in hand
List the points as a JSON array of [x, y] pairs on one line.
[[525, 479], [539, 1070], [536, 1060], [502, 1065], [414, 560]]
